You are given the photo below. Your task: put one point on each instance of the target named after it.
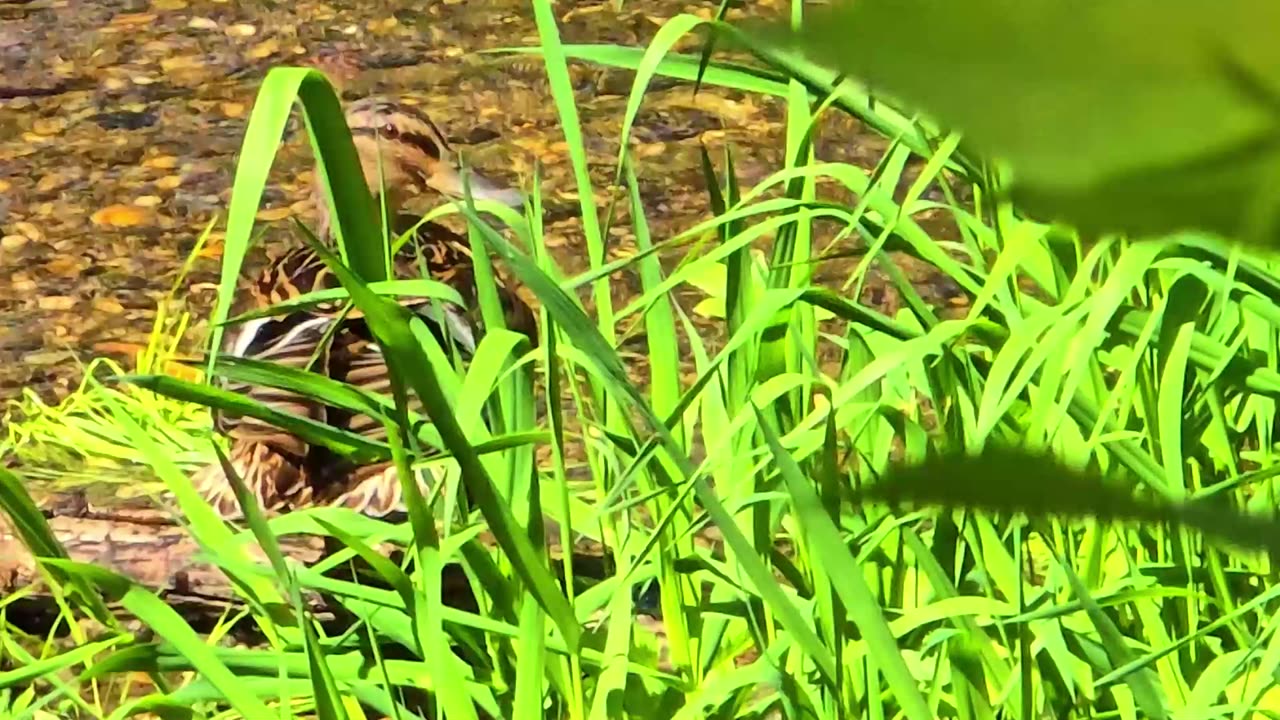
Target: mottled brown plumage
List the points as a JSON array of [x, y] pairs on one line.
[[282, 470]]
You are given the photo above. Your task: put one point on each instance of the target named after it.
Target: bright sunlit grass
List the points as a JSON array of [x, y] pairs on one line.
[[756, 567], [78, 439]]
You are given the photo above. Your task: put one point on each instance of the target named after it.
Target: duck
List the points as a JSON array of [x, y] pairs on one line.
[[403, 151]]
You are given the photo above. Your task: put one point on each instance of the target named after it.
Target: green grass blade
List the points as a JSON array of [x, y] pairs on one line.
[[570, 317], [562, 95], [393, 328], [168, 624], [33, 529], [847, 579], [318, 433], [336, 159]]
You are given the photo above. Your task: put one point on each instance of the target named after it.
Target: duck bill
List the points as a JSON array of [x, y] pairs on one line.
[[448, 180]]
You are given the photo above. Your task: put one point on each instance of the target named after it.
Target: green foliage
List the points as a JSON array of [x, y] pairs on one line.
[[77, 439], [1047, 504], [1115, 116]]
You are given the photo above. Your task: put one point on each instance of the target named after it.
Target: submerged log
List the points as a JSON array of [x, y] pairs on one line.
[[163, 557], [138, 544], [144, 544]]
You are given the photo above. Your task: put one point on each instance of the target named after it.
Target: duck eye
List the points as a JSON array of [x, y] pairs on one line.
[[389, 129]]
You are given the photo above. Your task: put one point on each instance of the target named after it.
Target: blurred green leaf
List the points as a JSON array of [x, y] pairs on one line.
[[1119, 115], [1001, 480]]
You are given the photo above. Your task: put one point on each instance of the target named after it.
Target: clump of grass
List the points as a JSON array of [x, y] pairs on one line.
[[78, 439], [1150, 363]]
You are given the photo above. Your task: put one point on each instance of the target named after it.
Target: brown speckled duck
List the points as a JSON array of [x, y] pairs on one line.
[[282, 470]]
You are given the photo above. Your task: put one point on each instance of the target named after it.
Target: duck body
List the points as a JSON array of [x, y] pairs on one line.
[[408, 153]]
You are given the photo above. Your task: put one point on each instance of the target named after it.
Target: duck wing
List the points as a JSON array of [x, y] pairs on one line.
[[334, 340], [444, 256], [447, 258], [270, 460]]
